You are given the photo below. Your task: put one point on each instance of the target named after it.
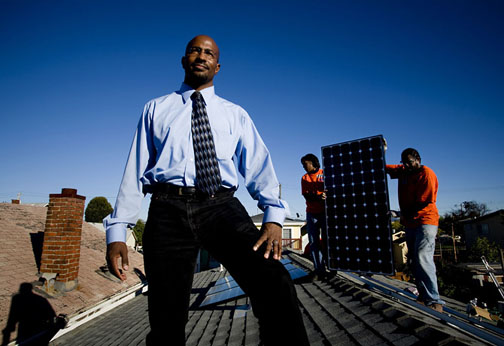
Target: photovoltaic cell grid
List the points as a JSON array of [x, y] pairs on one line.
[[357, 207]]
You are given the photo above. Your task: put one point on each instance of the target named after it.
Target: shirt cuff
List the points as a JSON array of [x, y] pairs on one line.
[[116, 232], [274, 214]]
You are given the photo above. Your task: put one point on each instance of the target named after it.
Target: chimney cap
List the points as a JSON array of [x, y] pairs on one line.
[[67, 192]]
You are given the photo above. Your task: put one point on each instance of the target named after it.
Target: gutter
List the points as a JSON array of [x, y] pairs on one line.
[[99, 309]]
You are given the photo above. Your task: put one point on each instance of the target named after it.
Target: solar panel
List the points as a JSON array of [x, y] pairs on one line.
[[359, 234], [223, 296], [222, 287], [227, 288]]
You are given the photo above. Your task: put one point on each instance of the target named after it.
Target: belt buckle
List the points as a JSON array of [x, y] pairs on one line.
[[180, 191]]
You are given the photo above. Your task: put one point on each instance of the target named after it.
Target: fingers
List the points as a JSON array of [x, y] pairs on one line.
[[125, 259], [269, 248], [112, 264], [272, 235], [261, 240], [277, 249], [115, 251]]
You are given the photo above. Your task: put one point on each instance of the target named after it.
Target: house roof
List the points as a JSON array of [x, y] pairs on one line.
[[499, 212], [339, 311], [21, 236], [259, 218]]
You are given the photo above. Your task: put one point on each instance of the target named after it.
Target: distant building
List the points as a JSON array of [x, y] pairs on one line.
[[131, 239], [490, 226]]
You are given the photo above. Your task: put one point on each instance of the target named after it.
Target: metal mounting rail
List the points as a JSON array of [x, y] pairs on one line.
[[447, 309], [465, 325], [490, 272]]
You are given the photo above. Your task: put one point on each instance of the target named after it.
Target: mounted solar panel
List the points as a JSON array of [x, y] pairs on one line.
[[227, 288], [359, 234]]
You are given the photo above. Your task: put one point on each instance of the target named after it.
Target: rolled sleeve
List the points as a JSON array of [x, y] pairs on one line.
[[275, 214], [116, 232]]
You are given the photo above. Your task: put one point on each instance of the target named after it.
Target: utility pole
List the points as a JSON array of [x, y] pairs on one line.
[[454, 245]]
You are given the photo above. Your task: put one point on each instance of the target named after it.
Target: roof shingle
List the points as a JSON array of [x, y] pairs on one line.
[[339, 311]]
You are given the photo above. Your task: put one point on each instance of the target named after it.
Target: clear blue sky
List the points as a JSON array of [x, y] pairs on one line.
[[74, 76]]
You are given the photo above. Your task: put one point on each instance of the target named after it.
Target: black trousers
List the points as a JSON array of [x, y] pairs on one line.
[[176, 229]]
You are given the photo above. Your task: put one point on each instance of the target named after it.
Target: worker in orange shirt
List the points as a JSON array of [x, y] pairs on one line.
[[312, 188], [418, 186]]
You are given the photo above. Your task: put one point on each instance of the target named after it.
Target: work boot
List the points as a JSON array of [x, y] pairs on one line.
[[437, 307]]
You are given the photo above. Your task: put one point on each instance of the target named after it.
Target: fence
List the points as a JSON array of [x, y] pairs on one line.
[[292, 243]]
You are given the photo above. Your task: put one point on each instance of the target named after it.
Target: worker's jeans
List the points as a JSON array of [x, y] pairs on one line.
[[421, 242], [176, 229], [315, 224]]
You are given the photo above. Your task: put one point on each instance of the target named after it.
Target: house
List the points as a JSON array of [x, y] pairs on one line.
[[131, 239], [490, 226], [293, 237]]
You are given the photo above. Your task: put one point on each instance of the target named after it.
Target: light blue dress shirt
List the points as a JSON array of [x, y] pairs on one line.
[[162, 152]]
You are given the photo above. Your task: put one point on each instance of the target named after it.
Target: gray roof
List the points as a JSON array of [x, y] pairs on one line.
[[499, 212], [259, 218], [339, 311]]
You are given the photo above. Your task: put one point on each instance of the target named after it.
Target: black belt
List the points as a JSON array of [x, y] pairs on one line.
[[185, 191]]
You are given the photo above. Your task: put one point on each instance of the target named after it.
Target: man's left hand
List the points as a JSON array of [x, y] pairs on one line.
[[272, 235]]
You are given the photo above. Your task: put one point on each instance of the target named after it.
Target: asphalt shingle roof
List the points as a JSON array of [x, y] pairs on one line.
[[339, 311], [21, 236]]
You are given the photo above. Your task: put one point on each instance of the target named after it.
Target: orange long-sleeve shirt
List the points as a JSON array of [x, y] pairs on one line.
[[417, 195], [312, 186]]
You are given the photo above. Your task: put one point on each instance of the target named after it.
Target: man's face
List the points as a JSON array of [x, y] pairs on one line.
[[308, 166], [411, 164], [201, 62]]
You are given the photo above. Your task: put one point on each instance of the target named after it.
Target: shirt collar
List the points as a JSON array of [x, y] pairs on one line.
[[187, 91]]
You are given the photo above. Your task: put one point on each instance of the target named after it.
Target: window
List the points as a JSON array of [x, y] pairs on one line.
[[482, 229], [287, 233]]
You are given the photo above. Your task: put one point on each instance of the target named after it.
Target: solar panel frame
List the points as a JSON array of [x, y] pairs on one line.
[[358, 229]]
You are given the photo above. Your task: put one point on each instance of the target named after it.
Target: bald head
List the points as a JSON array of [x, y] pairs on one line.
[[201, 62], [203, 38]]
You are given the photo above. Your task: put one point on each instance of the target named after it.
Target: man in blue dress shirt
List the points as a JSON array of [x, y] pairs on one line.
[[182, 218]]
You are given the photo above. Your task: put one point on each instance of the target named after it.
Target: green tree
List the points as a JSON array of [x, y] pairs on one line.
[[484, 247], [469, 210], [98, 208], [138, 230]]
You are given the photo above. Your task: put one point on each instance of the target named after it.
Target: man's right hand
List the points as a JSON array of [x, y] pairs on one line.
[[115, 251]]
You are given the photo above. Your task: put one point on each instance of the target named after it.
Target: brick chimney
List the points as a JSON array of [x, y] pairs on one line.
[[62, 240]]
